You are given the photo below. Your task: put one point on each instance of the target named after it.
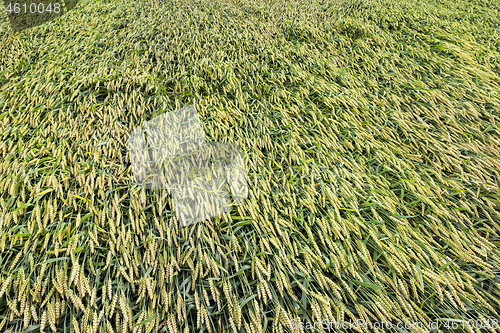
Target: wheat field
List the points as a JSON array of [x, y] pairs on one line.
[[371, 139]]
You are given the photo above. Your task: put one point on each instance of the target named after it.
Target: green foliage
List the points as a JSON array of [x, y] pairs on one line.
[[370, 130]]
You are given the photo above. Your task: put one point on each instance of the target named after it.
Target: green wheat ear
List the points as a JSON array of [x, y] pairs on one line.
[[370, 132]]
